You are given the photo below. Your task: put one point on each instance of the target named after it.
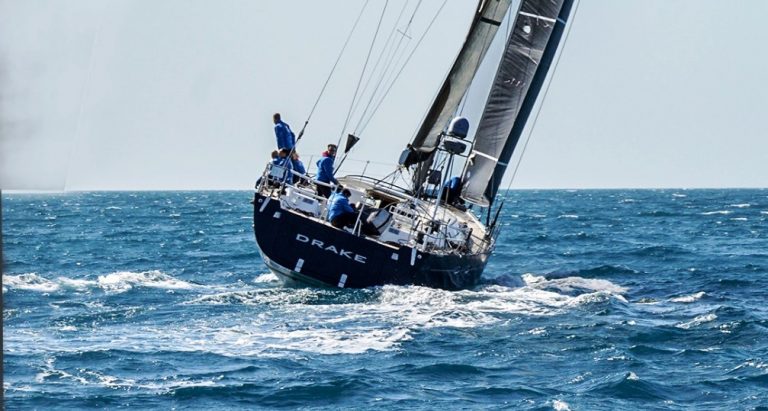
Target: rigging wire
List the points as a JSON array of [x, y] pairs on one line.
[[418, 43], [544, 96], [362, 73], [333, 69], [384, 51], [391, 59]]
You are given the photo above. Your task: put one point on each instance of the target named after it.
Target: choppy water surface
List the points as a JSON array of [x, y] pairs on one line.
[[593, 300]]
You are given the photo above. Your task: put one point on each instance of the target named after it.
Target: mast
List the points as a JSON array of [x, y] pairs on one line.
[[484, 26], [530, 49]]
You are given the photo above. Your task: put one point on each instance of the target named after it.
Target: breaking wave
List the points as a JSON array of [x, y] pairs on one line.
[[116, 282]]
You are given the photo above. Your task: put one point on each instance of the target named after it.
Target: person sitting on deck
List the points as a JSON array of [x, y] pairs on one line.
[[340, 213], [298, 167], [325, 172], [285, 137], [451, 192], [281, 169]]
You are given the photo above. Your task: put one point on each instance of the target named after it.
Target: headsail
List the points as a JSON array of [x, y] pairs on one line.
[[487, 19], [530, 49]]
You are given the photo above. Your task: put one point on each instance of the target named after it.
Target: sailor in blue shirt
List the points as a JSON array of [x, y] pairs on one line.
[[340, 213], [297, 166], [285, 137], [285, 163], [451, 191], [325, 172]]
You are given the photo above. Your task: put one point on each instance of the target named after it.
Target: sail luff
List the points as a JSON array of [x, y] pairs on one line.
[[482, 31], [529, 52]]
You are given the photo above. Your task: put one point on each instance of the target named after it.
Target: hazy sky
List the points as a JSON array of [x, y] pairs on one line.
[[144, 94]]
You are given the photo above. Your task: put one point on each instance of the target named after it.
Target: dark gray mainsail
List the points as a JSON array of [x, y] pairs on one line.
[[482, 31], [530, 49]]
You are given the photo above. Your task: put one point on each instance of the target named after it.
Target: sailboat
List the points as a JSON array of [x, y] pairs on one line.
[[432, 232]]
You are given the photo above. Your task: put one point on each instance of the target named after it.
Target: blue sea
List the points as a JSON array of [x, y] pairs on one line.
[[593, 300]]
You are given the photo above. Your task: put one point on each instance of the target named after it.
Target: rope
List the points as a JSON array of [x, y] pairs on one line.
[[362, 73], [384, 51], [333, 69], [391, 59], [389, 88]]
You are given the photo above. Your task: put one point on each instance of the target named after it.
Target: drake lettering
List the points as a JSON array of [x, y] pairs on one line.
[[331, 248]]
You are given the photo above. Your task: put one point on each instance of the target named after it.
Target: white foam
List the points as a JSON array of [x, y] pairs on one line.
[[559, 405], [30, 282], [697, 321], [744, 205], [266, 278], [633, 377], [78, 284], [125, 280], [679, 195], [114, 282], [722, 212], [570, 284], [688, 298], [568, 216], [288, 322]]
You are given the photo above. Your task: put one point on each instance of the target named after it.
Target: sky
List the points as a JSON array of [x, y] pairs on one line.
[[179, 94]]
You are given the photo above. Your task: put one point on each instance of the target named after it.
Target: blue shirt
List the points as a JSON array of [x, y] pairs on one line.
[[298, 166], [451, 189], [286, 164], [339, 205], [325, 170], [285, 137]]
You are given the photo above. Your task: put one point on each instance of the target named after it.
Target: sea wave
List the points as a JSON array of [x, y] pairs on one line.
[[718, 212], [117, 282], [699, 320], [688, 298]]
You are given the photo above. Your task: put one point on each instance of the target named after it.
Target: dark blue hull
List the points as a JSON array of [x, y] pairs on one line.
[[300, 249]]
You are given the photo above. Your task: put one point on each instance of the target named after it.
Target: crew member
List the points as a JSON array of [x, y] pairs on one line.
[[325, 172], [285, 165], [340, 212], [451, 191], [298, 167], [285, 137]]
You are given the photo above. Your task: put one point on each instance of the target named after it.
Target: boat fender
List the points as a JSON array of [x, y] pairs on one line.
[[379, 219]]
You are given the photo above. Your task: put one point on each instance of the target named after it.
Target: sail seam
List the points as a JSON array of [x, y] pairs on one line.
[[536, 16], [490, 21], [489, 157]]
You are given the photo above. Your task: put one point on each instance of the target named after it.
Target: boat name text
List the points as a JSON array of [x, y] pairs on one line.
[[338, 251]]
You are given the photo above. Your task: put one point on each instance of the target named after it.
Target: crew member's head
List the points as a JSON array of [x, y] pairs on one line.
[[346, 193], [332, 150], [276, 118]]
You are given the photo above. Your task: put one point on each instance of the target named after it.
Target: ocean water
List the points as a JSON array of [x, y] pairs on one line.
[[594, 300]]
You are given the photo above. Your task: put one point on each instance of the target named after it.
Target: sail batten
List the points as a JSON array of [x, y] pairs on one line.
[[529, 51]]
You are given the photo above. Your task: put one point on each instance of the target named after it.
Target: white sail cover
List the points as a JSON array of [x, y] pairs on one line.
[[530, 48]]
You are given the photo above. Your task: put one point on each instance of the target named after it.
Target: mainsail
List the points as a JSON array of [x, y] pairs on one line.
[[530, 49], [482, 31]]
